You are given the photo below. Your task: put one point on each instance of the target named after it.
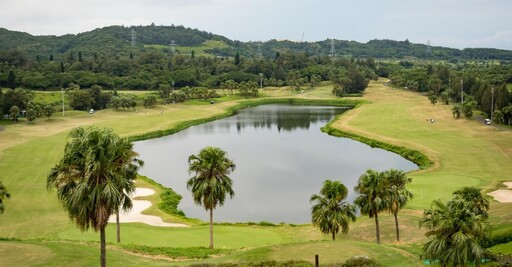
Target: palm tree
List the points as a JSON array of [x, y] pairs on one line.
[[211, 182], [397, 194], [3, 195], [475, 198], [331, 211], [372, 196], [457, 232], [14, 111], [91, 176], [126, 184]]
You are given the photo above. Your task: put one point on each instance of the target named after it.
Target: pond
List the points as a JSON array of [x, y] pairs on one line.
[[281, 158]]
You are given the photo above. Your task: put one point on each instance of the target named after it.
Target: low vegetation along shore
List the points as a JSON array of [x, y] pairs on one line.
[[35, 230]]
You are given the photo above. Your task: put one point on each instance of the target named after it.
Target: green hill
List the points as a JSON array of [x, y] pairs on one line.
[[116, 41]]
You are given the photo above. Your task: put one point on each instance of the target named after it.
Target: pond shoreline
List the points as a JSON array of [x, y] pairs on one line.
[[415, 156]]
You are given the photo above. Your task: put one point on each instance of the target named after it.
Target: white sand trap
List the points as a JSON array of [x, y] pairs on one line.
[[503, 195], [135, 214]]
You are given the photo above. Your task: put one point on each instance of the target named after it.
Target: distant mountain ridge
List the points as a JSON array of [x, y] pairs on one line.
[[116, 41]]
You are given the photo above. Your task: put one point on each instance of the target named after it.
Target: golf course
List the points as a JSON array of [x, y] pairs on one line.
[[35, 230]]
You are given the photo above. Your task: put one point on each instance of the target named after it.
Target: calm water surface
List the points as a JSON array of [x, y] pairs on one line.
[[281, 158]]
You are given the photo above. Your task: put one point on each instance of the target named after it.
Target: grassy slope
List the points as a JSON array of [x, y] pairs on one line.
[[396, 117], [198, 50], [465, 152]]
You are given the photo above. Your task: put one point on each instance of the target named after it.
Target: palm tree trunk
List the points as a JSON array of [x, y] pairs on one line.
[[118, 230], [333, 236], [211, 228], [377, 229], [396, 225], [103, 251]]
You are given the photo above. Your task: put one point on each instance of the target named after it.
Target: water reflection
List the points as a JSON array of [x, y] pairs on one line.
[[282, 158]]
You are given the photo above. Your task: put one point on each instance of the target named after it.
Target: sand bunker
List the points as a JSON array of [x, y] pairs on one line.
[[135, 214], [503, 195]]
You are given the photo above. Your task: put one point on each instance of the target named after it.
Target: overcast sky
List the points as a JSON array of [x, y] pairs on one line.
[[451, 23]]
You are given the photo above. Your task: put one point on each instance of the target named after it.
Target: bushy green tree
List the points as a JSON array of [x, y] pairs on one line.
[[456, 111], [467, 108], [31, 114], [48, 111], [149, 101], [432, 97], [330, 211]]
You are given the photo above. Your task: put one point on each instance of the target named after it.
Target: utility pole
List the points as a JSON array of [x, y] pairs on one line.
[[261, 80], [492, 102], [461, 92]]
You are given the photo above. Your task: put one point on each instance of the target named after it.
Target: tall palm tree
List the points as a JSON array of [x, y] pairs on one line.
[[91, 176], [372, 196], [330, 211], [457, 232], [126, 184], [3, 195], [211, 182], [397, 194]]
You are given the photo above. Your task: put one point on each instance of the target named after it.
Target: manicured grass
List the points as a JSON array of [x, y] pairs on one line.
[[48, 253], [502, 248], [226, 237], [329, 252], [464, 152]]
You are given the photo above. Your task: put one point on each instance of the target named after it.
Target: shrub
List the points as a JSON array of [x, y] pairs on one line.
[[360, 261]]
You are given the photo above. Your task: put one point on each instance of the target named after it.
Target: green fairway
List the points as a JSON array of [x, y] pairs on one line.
[[229, 237], [465, 153]]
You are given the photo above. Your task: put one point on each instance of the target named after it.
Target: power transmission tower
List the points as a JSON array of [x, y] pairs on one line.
[[259, 52], [134, 37], [331, 53], [429, 48], [173, 46]]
